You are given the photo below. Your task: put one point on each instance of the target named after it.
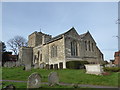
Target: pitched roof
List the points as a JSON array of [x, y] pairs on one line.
[[83, 35], [61, 35]]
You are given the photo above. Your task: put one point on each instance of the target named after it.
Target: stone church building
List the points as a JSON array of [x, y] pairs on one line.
[[54, 52]]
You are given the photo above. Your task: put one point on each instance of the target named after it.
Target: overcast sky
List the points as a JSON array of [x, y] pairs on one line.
[[55, 18]]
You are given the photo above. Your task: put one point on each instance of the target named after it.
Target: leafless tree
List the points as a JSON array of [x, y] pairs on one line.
[[16, 42]]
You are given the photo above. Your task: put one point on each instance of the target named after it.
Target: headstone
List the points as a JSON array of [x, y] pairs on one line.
[[47, 66], [27, 67], [14, 64], [9, 87], [53, 78], [17, 64], [10, 64], [5, 64], [34, 81], [42, 65], [94, 69], [36, 66], [26, 56]]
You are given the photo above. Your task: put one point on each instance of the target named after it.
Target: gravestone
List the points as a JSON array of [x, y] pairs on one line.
[[34, 81], [36, 65], [94, 69], [53, 78], [27, 67], [5, 64], [17, 64], [14, 64], [26, 56], [42, 65], [10, 64]]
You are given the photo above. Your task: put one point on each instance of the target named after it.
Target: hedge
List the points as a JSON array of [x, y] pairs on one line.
[[112, 69], [76, 64]]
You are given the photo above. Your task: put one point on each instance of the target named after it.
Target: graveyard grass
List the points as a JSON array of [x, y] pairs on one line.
[[65, 75]]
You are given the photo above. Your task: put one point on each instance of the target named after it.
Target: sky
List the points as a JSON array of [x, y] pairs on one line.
[[54, 18]]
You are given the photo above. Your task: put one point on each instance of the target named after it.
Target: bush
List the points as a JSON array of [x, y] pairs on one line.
[[76, 64], [112, 69]]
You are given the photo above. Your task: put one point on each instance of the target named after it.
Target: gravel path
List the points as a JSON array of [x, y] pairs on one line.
[[68, 84]]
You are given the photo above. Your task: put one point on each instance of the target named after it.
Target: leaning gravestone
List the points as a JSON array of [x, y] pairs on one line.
[[34, 81], [53, 78]]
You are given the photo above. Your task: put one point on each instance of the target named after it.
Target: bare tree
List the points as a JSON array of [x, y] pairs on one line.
[[16, 42]]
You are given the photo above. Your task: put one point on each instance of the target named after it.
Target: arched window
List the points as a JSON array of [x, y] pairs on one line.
[[89, 46], [34, 58], [40, 57], [74, 49], [38, 54], [92, 47], [86, 45], [53, 51]]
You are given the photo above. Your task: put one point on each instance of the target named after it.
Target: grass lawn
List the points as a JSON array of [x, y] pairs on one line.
[[66, 76], [24, 85]]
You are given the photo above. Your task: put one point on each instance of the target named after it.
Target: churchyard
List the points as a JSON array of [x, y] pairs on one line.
[[70, 76]]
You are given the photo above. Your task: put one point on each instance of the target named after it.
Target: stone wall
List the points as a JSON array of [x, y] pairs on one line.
[[35, 39], [31, 40], [37, 51], [38, 38], [60, 53], [12, 64], [45, 53], [92, 55]]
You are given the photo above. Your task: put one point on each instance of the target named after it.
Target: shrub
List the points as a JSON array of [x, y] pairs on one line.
[[76, 64], [112, 69]]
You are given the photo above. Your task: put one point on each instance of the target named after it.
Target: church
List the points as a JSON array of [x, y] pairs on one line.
[[54, 52]]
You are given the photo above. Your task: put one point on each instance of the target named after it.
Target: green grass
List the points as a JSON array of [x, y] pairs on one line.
[[66, 76], [24, 85]]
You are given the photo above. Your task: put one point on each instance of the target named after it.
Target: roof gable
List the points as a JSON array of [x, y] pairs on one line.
[[86, 36], [72, 33]]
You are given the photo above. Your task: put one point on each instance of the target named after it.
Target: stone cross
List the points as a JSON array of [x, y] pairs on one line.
[[34, 80]]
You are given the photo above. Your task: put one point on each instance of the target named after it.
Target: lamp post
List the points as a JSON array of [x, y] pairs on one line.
[[118, 22]]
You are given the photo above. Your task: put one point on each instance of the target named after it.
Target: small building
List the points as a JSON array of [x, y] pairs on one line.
[[117, 58], [8, 57]]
